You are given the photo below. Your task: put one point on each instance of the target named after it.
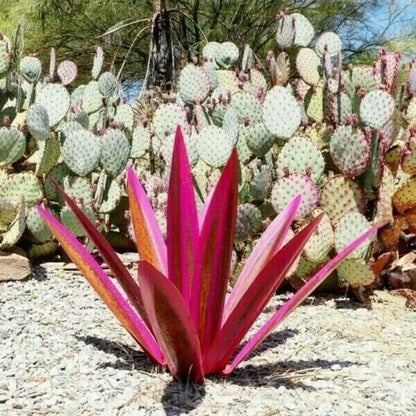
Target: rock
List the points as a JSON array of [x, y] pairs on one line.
[[14, 265]]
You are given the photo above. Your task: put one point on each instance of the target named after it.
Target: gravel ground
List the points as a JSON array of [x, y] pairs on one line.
[[62, 353]]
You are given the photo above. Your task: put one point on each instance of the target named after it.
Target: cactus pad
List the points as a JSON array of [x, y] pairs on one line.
[[31, 68], [322, 240], [286, 188], [67, 72], [37, 120], [248, 108], [56, 100], [298, 155], [409, 159], [37, 226], [258, 138], [248, 221], [214, 146], [194, 84], [81, 152], [377, 108], [228, 54], [350, 151], [350, 227], [167, 117], [12, 145], [304, 31], [308, 65], [115, 152], [355, 273], [20, 185], [281, 112], [341, 196], [329, 40]]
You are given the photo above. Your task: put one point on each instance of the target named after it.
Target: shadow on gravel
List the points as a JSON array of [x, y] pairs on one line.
[[179, 398], [274, 340], [38, 273], [285, 373], [127, 357]]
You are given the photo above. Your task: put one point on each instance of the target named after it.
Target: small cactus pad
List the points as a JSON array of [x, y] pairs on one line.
[[248, 221], [350, 151], [70, 221], [42, 251], [112, 196], [308, 65], [350, 227], [405, 196], [228, 54], [194, 84], [281, 112], [166, 119], [125, 116], [12, 145], [55, 99], [20, 185], [377, 108], [16, 229], [359, 76], [115, 152], [230, 124], [92, 99], [81, 152], [140, 143], [31, 68], [98, 62], [37, 226], [211, 51], [107, 84], [341, 196], [355, 273], [286, 188], [49, 153], [298, 155], [258, 138], [37, 120], [67, 72], [247, 107], [322, 240], [285, 31], [214, 146], [304, 31], [261, 182], [329, 41]]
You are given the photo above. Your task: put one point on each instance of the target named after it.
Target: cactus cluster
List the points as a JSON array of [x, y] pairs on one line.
[[342, 137]]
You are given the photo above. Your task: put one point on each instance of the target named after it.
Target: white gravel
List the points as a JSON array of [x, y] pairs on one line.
[[62, 353]]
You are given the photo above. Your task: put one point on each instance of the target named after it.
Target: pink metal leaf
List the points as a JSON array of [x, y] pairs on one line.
[[182, 227], [296, 300], [150, 243], [212, 267], [104, 287], [269, 243], [120, 272], [172, 324], [255, 299]]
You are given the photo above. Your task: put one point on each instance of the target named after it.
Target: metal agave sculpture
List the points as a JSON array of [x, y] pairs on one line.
[[178, 309]]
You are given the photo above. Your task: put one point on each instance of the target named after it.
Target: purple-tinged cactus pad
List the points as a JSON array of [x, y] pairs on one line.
[[286, 188], [350, 151]]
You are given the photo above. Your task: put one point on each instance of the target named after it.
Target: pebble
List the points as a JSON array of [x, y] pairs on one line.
[[63, 353]]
